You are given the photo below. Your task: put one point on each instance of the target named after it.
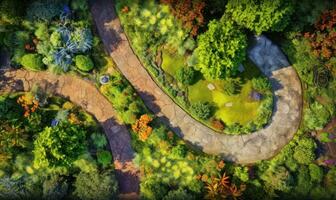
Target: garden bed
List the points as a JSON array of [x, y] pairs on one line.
[[234, 105], [51, 148]]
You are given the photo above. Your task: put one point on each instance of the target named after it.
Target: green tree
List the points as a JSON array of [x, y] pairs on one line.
[[32, 62], [316, 173], [277, 178], [186, 76], [261, 15], [59, 146], [84, 63], [104, 158], [95, 185], [220, 49], [304, 151], [202, 110]]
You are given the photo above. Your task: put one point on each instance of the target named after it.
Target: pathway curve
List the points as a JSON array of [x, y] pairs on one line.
[[86, 95], [250, 148]]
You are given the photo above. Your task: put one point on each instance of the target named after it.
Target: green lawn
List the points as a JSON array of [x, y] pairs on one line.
[[242, 111], [171, 63]]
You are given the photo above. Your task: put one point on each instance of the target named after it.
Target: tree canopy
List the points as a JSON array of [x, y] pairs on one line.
[[221, 49], [59, 146], [261, 15]]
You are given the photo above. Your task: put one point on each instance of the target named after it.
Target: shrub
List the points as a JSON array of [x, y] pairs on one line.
[[241, 173], [186, 76], [232, 85], [104, 158], [178, 195], [142, 127], [278, 178], [202, 110], [95, 185], [99, 140], [84, 63], [316, 116], [316, 173], [11, 10], [42, 31], [56, 39], [322, 40], [304, 183], [190, 12], [32, 62], [304, 151], [261, 84], [44, 10], [261, 15], [59, 146], [220, 49]]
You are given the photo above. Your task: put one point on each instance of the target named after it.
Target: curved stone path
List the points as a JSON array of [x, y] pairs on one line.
[[250, 148], [86, 95]]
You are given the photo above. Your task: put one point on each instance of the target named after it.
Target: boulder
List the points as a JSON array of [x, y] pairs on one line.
[[211, 86], [255, 96], [266, 55]]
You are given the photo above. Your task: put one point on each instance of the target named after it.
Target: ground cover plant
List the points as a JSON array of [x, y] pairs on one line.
[[176, 53], [53, 35], [49, 150]]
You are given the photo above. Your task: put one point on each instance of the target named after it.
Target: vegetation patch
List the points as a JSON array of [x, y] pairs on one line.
[[52, 150]]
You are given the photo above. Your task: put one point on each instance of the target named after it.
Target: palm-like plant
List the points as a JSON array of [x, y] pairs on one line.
[[221, 188]]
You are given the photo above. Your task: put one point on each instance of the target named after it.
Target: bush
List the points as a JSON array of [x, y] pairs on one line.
[[186, 76], [11, 10], [44, 10], [261, 15], [316, 173], [95, 185], [278, 178], [59, 146], [316, 116], [42, 32], [84, 63], [202, 110], [99, 140], [304, 151], [261, 84], [232, 85], [220, 49], [190, 12], [304, 183], [104, 158], [32, 62]]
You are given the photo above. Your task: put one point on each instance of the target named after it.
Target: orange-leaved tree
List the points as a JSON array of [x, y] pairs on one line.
[[323, 39], [142, 127], [190, 12], [29, 103]]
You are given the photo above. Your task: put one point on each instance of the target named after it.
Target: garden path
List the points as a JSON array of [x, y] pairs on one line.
[[86, 95], [259, 145]]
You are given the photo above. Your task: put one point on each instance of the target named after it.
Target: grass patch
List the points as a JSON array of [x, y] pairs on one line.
[[171, 63], [242, 111]]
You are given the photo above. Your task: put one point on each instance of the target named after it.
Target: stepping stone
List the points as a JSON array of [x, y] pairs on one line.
[[230, 104], [211, 86], [241, 68], [255, 96]]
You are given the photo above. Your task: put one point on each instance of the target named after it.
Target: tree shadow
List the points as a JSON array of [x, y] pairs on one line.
[[107, 23], [119, 141], [9, 83], [149, 101]]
